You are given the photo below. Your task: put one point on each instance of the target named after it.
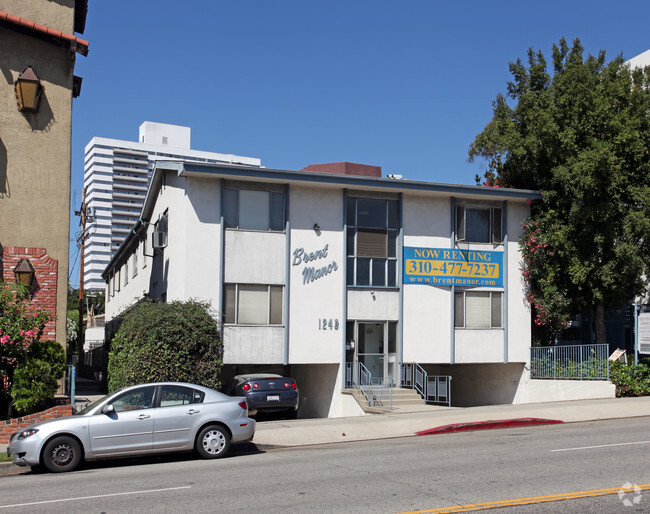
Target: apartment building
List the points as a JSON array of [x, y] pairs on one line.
[[116, 177]]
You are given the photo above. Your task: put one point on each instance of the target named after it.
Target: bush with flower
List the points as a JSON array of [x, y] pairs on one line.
[[21, 325]]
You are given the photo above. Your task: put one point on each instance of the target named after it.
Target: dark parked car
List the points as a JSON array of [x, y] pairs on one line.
[[266, 392], [149, 418]]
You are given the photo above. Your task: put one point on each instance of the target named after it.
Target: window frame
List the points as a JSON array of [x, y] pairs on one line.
[[360, 266], [493, 295], [231, 313], [495, 233], [275, 220]]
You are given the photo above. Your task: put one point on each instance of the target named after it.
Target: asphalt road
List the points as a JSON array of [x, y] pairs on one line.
[[437, 473]]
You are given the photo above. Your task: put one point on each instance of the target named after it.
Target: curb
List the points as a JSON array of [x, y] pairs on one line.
[[489, 425], [9, 468]]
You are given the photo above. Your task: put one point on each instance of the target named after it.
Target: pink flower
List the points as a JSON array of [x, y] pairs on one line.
[[29, 333], [35, 315], [4, 339], [22, 332]]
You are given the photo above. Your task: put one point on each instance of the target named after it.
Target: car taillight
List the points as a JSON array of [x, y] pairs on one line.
[[293, 385], [243, 405], [246, 387], [256, 385]]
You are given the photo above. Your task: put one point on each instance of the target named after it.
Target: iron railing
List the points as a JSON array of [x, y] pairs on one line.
[[574, 362], [378, 392], [433, 388]]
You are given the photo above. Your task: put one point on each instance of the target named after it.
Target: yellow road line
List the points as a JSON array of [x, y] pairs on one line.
[[525, 501]]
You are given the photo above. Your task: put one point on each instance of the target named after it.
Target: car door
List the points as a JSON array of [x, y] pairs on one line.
[[178, 417], [128, 428]]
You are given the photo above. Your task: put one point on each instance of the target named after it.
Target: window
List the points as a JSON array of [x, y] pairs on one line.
[[179, 395], [477, 223], [248, 304], [478, 309], [135, 261], [126, 272], [134, 400], [247, 209], [372, 241]]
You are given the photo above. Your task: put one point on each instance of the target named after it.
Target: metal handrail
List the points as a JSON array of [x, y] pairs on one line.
[[377, 391], [434, 388]]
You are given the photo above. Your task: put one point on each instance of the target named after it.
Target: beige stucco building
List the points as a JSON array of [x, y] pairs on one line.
[[37, 38]]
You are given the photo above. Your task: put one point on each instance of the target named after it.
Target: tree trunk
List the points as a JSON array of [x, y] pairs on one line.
[[599, 324]]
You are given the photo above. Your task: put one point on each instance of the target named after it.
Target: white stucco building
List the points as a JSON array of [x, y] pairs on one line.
[[116, 177], [313, 272]]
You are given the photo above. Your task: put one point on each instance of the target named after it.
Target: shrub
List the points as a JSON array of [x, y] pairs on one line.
[[36, 379], [630, 380], [177, 341]]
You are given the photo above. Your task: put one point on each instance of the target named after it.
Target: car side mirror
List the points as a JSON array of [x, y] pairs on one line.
[[108, 409]]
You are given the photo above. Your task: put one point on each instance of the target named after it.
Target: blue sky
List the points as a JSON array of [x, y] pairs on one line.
[[405, 85]]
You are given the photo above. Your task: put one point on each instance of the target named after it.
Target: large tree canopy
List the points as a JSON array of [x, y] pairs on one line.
[[581, 136]]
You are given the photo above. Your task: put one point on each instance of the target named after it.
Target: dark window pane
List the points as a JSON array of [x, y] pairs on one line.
[[459, 310], [372, 243], [379, 272], [350, 271], [392, 243], [392, 213], [363, 272], [229, 304], [276, 305], [350, 241], [371, 213], [496, 310], [392, 273], [351, 211], [460, 222], [497, 226], [477, 225], [277, 211], [230, 207]]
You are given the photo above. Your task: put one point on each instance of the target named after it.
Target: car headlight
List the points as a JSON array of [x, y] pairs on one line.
[[27, 433]]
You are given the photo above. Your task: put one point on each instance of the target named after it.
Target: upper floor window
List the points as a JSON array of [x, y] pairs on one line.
[[476, 223], [248, 209], [372, 226]]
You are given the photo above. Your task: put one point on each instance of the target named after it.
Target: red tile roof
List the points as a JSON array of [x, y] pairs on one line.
[[82, 45]]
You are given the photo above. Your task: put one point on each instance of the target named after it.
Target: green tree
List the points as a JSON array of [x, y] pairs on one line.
[[581, 136], [177, 341]]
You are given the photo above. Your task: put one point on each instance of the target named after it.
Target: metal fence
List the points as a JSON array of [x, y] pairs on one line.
[[574, 362], [433, 388]]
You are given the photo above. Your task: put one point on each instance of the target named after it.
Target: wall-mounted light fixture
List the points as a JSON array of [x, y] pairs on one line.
[[28, 90], [316, 227], [24, 273]]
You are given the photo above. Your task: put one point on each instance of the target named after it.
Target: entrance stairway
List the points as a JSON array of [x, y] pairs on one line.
[[402, 399]]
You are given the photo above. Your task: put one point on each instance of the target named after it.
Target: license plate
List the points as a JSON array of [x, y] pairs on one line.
[[273, 398]]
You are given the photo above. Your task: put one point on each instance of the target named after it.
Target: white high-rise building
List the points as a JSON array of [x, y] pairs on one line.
[[116, 178]]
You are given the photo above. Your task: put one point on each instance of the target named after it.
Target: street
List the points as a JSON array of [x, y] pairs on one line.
[[427, 473]]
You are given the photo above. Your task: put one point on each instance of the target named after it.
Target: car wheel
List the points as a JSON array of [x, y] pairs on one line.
[[213, 442], [62, 454]]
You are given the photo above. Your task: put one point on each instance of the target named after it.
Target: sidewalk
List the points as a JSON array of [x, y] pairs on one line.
[[404, 423], [409, 421]]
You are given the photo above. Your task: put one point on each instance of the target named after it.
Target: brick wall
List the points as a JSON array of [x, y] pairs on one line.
[[44, 285], [12, 425]]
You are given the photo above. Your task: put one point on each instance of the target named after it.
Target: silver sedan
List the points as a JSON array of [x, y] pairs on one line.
[[137, 420]]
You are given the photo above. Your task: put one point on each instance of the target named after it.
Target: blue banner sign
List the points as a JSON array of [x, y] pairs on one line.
[[447, 267]]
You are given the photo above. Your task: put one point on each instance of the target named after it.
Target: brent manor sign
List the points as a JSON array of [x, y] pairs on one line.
[[312, 273], [448, 267]]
